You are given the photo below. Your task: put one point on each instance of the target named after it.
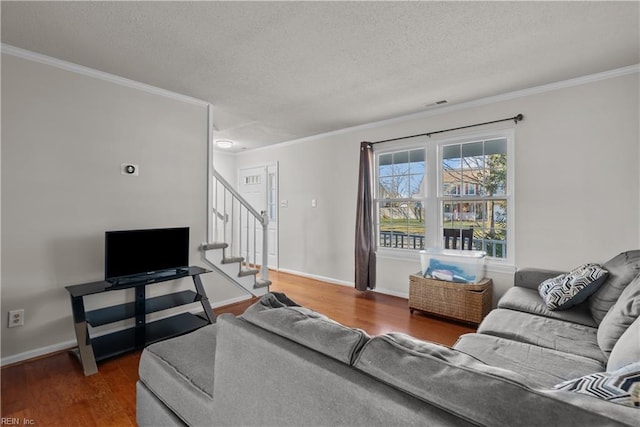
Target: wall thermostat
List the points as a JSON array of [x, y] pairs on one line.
[[129, 169]]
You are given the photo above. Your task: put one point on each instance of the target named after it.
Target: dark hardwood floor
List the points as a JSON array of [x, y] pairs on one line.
[[52, 391]]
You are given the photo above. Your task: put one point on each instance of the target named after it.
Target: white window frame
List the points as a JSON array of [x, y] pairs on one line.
[[433, 197], [392, 148]]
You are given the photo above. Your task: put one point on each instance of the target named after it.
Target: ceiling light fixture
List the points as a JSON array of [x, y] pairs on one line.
[[224, 143]]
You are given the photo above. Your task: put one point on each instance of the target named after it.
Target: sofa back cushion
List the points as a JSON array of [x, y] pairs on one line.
[[620, 316], [477, 392], [627, 349], [622, 269], [262, 378], [280, 315]]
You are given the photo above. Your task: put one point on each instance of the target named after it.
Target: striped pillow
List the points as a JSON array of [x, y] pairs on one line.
[[621, 386], [566, 290]]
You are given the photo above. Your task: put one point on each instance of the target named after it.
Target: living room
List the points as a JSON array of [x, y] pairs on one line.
[[68, 127]]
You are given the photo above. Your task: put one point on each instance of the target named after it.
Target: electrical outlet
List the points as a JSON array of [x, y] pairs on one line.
[[16, 318]]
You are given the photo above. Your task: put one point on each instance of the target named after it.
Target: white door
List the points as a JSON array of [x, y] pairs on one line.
[[259, 186]]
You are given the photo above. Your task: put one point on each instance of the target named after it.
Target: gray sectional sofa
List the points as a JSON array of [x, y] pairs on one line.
[[282, 364]]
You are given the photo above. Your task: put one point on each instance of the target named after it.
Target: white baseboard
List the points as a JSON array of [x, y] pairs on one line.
[[231, 301], [67, 345], [404, 295], [42, 351], [316, 277]]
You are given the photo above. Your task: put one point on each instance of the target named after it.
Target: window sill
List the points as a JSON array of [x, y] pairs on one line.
[[399, 254], [413, 256], [498, 266]]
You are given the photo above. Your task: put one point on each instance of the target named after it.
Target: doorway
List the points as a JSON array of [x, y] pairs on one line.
[[258, 185]]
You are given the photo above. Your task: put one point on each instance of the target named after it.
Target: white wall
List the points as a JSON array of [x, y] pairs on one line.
[[314, 241], [577, 181], [225, 164], [64, 136]]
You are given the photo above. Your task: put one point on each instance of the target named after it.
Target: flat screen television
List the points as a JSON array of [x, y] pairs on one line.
[[133, 253]]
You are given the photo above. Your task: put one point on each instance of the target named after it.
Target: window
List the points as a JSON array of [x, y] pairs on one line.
[[272, 197], [401, 182], [480, 169], [461, 183]]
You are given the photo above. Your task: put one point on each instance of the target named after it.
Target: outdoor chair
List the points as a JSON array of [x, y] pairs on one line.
[[451, 236]]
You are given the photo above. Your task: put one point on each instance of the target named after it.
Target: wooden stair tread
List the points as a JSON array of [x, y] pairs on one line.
[[260, 283], [214, 245], [248, 272]]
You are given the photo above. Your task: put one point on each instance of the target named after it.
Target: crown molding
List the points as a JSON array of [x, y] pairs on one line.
[[618, 72], [69, 66], [80, 69]]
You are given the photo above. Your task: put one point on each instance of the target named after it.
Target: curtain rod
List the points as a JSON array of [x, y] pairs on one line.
[[516, 119]]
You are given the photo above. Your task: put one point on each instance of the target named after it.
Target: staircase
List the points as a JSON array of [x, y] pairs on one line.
[[238, 247]]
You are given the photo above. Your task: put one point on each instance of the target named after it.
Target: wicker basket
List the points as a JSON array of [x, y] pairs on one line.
[[466, 302]]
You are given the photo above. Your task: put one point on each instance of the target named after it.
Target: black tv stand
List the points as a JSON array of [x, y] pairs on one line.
[[91, 350]]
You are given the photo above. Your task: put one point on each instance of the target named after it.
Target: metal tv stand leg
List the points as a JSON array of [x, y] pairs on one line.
[[85, 350], [204, 299]]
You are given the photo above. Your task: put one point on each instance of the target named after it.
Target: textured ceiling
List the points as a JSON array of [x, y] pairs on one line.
[[278, 71]]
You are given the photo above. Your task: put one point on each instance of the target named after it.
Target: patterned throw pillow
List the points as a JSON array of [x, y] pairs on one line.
[[566, 290], [621, 386]]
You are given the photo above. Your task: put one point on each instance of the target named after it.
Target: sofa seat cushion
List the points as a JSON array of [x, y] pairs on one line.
[[623, 313], [543, 331], [622, 269], [529, 301], [179, 372], [480, 393], [280, 315], [541, 366]]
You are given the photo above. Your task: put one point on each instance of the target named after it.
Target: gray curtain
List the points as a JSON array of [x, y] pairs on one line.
[[365, 239]]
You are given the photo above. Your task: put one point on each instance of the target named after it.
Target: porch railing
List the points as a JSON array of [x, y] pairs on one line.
[[393, 239]]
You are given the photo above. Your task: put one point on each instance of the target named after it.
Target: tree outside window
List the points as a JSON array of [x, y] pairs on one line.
[[474, 189], [401, 199]]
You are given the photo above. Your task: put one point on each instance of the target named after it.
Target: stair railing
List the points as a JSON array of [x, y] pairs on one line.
[[238, 224]]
